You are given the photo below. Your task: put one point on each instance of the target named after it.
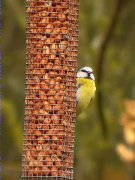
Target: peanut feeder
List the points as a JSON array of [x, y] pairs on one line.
[[50, 103]]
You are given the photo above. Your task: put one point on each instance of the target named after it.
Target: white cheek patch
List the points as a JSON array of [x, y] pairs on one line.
[[81, 74], [92, 77]]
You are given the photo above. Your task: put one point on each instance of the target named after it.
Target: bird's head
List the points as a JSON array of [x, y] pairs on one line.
[[86, 72]]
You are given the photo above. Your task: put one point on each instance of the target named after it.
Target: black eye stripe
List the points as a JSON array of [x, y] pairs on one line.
[[83, 70], [88, 73]]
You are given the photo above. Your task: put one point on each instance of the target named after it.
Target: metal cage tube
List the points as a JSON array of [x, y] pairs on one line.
[[50, 102]]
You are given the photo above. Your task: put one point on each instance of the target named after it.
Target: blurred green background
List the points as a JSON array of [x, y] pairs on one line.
[[107, 43]]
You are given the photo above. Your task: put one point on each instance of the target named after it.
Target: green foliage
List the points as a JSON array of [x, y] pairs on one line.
[[12, 121]]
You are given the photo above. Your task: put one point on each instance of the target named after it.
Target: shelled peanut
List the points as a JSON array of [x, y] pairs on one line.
[[51, 52]]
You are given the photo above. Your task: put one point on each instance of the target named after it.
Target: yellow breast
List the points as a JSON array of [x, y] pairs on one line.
[[85, 93]]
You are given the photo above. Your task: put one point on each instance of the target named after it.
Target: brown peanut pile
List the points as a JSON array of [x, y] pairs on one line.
[[50, 105]]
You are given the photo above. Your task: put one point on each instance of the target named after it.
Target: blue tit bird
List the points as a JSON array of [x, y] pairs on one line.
[[86, 88]]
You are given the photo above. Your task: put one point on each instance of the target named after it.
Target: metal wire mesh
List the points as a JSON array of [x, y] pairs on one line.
[[51, 60]]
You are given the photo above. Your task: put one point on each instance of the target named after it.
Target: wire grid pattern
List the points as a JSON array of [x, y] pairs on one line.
[[50, 103]]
